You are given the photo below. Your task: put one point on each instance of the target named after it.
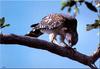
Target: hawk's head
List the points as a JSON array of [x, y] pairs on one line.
[[72, 38]]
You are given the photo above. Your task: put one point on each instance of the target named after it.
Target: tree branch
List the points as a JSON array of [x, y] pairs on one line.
[[41, 44]]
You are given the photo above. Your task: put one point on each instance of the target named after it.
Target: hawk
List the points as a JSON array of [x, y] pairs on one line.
[[57, 24]]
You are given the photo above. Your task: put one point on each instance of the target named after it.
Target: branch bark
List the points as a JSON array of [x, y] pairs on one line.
[[62, 51]]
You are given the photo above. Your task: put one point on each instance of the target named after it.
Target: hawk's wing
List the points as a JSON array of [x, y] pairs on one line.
[[51, 21], [35, 33]]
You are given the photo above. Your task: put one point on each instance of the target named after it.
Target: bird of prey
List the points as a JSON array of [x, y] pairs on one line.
[[57, 24]]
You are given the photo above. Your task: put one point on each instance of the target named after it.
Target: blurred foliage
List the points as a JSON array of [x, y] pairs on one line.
[[95, 25], [90, 6], [76, 3], [2, 23]]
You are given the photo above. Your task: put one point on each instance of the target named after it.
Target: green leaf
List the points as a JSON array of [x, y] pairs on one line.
[[97, 21], [2, 21], [67, 4], [76, 10], [90, 6], [6, 25], [64, 4], [69, 9], [76, 0], [81, 1], [71, 3], [93, 26], [88, 27]]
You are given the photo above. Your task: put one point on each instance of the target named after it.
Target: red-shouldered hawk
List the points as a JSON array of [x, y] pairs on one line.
[[57, 24]]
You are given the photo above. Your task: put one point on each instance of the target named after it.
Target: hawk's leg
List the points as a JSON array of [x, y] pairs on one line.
[[69, 43], [62, 42], [52, 38]]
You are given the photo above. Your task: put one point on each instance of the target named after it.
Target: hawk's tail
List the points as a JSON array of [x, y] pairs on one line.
[[34, 32]]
